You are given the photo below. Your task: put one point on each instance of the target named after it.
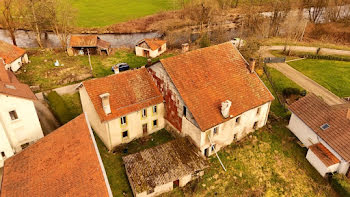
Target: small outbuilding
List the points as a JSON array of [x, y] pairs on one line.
[[150, 47], [84, 44], [157, 170], [13, 56]]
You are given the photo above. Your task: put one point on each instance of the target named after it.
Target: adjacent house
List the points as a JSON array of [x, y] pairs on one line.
[[122, 107], [325, 131], [19, 123], [13, 56], [164, 167], [87, 44], [212, 95], [150, 47], [64, 163]]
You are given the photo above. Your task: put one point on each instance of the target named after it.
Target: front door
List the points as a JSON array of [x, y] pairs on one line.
[[144, 128]]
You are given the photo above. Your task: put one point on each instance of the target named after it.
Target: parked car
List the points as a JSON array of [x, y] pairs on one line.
[[120, 67]]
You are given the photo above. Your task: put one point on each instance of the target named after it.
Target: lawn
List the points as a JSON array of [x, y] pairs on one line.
[[42, 72], [333, 75], [99, 13]]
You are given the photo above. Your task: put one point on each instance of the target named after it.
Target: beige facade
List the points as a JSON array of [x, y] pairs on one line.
[[147, 52], [17, 64], [19, 125], [117, 131]]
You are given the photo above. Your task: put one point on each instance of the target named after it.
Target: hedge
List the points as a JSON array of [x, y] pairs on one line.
[[325, 57], [59, 107], [341, 184]]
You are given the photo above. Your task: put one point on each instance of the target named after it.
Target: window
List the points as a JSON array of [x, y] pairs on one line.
[[213, 147], [144, 113], [238, 120], [23, 146], [216, 130], [155, 109], [185, 110], [123, 120], [155, 123], [255, 126], [125, 134], [258, 111], [325, 126], [3, 154], [13, 115]]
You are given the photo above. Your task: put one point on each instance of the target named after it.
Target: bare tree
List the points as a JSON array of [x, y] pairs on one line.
[[9, 18], [315, 8], [280, 10], [335, 10]]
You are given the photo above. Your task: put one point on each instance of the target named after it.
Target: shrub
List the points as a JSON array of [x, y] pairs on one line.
[[341, 184], [325, 57], [287, 92], [59, 107], [204, 41]]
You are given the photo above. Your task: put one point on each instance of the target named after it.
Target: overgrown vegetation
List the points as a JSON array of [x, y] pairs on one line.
[[341, 184], [59, 108]]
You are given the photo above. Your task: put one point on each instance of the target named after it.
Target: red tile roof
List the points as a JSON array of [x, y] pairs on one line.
[[324, 154], [154, 44], [83, 41], [9, 85], [64, 163], [206, 77], [314, 112], [103, 44], [10, 52], [129, 91]]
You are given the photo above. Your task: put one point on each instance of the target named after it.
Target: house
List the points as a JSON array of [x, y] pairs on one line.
[[150, 47], [87, 44], [64, 163], [13, 56], [212, 95], [325, 131], [19, 123], [122, 107], [164, 167]]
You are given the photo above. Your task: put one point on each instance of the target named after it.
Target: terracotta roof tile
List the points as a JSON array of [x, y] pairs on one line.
[[64, 163], [324, 154], [163, 164], [129, 91], [10, 52], [314, 112], [83, 41], [154, 44], [9, 85], [206, 77]]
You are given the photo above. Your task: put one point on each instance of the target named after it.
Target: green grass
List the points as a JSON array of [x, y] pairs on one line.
[[113, 162], [333, 75], [42, 72], [73, 104], [280, 54], [99, 13]]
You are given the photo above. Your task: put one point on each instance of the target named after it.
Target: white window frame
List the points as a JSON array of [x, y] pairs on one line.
[[123, 120]]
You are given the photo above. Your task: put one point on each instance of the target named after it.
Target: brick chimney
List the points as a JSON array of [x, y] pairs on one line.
[[225, 108], [252, 65], [4, 75], [185, 47], [348, 114], [105, 103]]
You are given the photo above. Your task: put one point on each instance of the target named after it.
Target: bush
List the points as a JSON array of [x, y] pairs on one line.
[[287, 92], [341, 184], [204, 41], [59, 107], [325, 57]]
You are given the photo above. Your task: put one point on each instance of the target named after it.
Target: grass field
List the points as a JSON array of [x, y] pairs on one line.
[[42, 72], [333, 75], [98, 13]]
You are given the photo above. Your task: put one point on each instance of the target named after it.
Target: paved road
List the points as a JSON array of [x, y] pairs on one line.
[[303, 81], [48, 121], [323, 51], [69, 89]]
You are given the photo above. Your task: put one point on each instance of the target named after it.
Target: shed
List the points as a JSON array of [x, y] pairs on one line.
[[160, 169], [84, 44], [150, 47]]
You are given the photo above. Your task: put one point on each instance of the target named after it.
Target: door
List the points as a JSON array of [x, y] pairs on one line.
[[206, 152], [176, 183], [146, 53], [144, 128]]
